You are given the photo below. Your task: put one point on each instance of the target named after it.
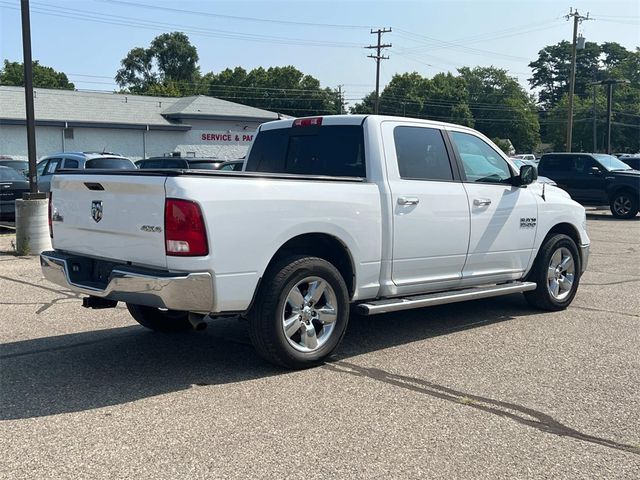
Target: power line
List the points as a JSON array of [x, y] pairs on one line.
[[233, 17], [108, 19], [445, 44]]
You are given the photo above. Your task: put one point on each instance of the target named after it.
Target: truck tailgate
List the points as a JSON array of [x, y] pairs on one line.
[[116, 217]]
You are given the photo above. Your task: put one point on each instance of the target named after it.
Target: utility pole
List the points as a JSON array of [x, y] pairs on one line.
[[577, 19], [595, 127], [340, 101], [378, 57], [32, 234], [28, 95], [609, 83]]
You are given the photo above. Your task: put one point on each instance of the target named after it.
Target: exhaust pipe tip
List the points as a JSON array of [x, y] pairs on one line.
[[197, 321]]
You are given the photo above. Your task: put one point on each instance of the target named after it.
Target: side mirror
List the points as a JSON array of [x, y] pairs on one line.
[[528, 175], [595, 170]]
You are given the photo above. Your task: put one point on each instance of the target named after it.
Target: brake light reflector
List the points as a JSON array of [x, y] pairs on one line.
[[50, 210], [308, 122], [184, 231]]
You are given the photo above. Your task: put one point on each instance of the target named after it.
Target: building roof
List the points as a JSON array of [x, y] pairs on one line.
[[201, 106], [75, 108]]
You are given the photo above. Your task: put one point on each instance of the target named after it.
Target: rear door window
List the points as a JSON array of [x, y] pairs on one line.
[[557, 163], [421, 154], [333, 150], [70, 163]]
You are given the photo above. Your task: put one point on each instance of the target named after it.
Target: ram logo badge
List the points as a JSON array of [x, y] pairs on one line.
[[96, 210], [528, 222]]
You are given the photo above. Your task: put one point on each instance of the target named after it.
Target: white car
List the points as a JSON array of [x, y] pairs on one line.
[[49, 165], [526, 156], [384, 213]]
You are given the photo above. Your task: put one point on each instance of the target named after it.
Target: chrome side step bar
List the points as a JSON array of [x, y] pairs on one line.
[[407, 303]]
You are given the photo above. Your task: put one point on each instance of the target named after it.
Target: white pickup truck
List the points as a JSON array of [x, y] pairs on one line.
[[383, 213]]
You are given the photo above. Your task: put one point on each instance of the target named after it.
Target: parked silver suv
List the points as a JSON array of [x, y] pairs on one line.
[[52, 163]]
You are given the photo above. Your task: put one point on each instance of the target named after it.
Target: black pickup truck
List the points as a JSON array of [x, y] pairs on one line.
[[595, 179]]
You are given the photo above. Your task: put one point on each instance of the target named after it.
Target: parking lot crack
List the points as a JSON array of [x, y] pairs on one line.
[[592, 309], [65, 295], [523, 415]]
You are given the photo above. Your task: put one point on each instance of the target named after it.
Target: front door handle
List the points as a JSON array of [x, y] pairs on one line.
[[482, 202], [408, 200]]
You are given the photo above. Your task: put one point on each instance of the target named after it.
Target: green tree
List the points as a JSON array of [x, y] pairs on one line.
[[169, 64], [501, 108], [443, 98], [552, 69], [282, 89], [12, 73], [609, 60]]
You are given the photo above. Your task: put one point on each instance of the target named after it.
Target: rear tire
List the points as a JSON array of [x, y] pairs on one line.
[[160, 320], [301, 312], [556, 272], [624, 204]]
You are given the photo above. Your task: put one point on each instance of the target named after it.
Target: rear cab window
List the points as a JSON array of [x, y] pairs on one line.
[[331, 150], [110, 163]]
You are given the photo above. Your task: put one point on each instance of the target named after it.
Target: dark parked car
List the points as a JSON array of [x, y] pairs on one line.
[[632, 160], [595, 179], [21, 166], [12, 186], [194, 163]]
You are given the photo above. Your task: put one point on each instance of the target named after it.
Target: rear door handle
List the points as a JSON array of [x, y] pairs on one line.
[[408, 200], [481, 202]]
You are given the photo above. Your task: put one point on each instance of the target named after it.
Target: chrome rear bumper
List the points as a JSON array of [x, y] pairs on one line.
[[191, 292]]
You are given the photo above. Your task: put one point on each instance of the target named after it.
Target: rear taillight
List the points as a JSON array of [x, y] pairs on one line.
[[308, 122], [184, 231], [50, 218]]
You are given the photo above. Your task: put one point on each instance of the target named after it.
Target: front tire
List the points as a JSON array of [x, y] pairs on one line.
[[556, 272], [301, 312], [624, 204], [160, 320]]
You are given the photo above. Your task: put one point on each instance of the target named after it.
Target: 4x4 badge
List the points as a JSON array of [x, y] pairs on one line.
[[96, 210]]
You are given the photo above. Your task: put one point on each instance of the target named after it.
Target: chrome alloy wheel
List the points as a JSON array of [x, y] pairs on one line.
[[309, 314], [561, 274], [622, 205]]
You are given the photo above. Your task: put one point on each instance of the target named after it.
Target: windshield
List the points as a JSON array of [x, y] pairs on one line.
[[611, 163], [111, 163], [15, 164], [10, 175]]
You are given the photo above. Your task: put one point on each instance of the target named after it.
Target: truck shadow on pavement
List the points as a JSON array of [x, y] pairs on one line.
[[94, 369], [88, 370]]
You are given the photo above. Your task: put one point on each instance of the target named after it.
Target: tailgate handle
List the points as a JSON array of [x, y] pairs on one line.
[[93, 186]]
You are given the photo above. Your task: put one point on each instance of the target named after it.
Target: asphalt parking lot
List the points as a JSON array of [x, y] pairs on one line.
[[484, 389]]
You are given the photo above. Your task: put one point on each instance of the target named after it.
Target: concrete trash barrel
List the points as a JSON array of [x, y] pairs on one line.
[[32, 227]]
